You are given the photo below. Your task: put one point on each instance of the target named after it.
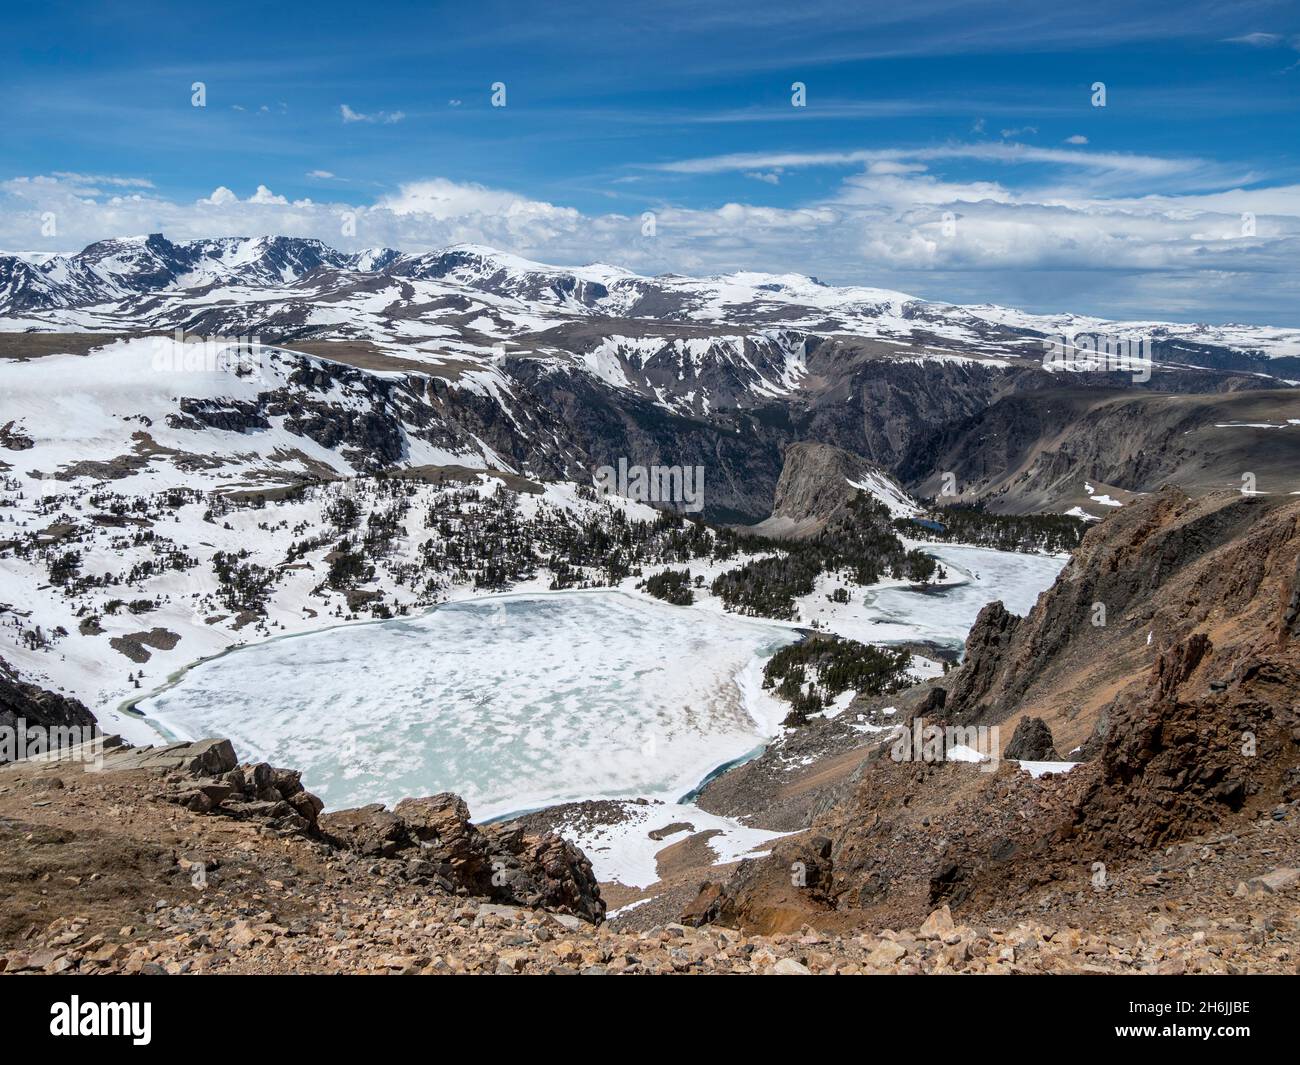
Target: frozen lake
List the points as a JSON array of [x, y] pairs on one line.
[[514, 702], [522, 701], [946, 614]]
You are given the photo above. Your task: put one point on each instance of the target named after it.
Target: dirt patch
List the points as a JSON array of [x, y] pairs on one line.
[[134, 644], [38, 345]]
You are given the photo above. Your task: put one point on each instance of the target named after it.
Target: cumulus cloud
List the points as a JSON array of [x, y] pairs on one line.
[[265, 195], [443, 199], [221, 196]]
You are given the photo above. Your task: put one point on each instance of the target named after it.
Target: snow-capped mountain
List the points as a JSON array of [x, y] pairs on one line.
[[469, 288], [483, 359]]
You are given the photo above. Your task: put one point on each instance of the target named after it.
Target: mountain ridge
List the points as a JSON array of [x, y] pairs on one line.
[[117, 268]]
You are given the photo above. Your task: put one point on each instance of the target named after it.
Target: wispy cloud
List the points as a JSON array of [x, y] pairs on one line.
[[1257, 40], [90, 183], [386, 118], [1270, 40], [999, 152]]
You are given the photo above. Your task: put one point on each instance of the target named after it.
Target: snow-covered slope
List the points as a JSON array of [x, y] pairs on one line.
[[884, 489], [151, 413]]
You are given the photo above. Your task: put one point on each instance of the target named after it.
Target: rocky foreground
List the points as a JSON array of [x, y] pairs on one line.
[[157, 864]]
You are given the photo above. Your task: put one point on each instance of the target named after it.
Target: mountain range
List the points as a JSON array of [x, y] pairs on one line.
[[551, 372]]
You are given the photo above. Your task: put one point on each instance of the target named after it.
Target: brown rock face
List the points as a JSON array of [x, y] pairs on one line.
[[1192, 748], [773, 894], [988, 646], [1290, 625], [814, 487], [1032, 741], [34, 706], [371, 831], [1149, 576], [1186, 681], [435, 837]]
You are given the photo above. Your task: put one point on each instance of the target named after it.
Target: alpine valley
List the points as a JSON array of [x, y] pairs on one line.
[[265, 504]]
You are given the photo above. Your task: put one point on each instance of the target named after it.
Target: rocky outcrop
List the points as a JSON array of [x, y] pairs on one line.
[[1187, 686], [972, 694], [817, 482], [435, 840], [27, 706], [777, 893], [423, 841], [1147, 577], [1032, 742], [1195, 746], [814, 483]]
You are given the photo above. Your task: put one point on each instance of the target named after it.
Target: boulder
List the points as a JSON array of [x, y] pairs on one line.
[[937, 925], [1032, 742], [436, 841], [1270, 883], [203, 758], [371, 831]]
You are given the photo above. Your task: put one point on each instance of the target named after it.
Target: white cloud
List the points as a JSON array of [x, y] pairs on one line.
[[266, 196], [1077, 138], [990, 151], [889, 166], [103, 179], [771, 177], [470, 204], [221, 196], [382, 117], [892, 222], [323, 174], [1257, 40]]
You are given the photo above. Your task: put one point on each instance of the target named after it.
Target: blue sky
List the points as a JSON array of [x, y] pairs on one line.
[[950, 150]]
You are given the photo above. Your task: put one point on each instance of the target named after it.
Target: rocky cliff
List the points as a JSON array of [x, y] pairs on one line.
[[1038, 448], [816, 484], [21, 702], [1179, 694]]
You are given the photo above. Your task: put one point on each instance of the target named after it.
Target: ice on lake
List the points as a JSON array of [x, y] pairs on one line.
[[945, 614], [513, 702], [522, 701]]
